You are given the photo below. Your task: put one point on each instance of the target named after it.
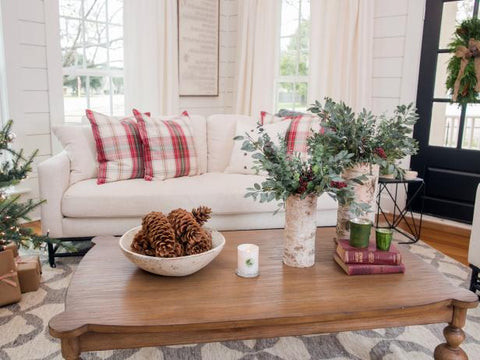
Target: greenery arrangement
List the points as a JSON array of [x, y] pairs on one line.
[[14, 168], [393, 139], [346, 131], [294, 174], [464, 66]]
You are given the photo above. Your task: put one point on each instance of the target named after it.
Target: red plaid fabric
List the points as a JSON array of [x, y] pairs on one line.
[[119, 147], [168, 146], [301, 127]]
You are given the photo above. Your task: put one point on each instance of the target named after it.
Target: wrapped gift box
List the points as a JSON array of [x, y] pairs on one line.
[[9, 246], [29, 273], [29, 259], [9, 284]]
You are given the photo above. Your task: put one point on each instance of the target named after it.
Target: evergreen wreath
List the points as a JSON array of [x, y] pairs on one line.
[[463, 79]]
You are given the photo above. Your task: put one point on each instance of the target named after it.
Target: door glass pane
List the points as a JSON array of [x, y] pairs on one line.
[[444, 124], [440, 91], [471, 129], [454, 12]]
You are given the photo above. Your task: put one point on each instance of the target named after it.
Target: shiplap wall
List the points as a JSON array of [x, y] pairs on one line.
[[398, 30], [27, 84], [222, 103]]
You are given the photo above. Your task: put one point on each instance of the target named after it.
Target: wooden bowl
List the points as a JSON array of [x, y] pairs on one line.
[[177, 266]]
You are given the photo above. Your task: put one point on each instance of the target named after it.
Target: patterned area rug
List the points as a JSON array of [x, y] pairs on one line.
[[24, 334]]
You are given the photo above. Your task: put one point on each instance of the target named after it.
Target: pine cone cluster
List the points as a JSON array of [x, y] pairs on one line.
[[177, 234]]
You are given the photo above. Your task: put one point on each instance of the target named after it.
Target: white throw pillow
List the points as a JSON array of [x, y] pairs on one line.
[[241, 162], [78, 142]]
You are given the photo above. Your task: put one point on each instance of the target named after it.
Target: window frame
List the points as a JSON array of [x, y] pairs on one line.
[[107, 72], [291, 79]]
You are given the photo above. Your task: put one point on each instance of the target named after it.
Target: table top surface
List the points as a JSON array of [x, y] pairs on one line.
[[108, 289]]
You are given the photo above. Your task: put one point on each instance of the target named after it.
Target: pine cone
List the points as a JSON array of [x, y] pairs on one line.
[[201, 214], [184, 225], [141, 245], [160, 234], [200, 244]]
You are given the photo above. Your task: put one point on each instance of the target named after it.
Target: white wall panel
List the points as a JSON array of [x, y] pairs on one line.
[[391, 7], [387, 67], [388, 47], [390, 26], [34, 79], [32, 33], [33, 56], [386, 87], [35, 101], [37, 123], [31, 10]]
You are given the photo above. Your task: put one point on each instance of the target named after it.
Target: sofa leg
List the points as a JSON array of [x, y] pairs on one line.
[[475, 279], [51, 255]]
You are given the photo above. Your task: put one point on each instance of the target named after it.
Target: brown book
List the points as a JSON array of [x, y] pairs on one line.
[[368, 269], [369, 255]]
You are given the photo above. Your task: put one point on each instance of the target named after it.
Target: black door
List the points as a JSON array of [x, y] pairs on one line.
[[448, 134]]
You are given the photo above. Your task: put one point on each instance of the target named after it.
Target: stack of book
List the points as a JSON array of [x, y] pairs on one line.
[[369, 260]]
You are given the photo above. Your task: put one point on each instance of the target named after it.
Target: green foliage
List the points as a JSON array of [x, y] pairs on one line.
[[14, 168], [346, 131], [468, 29], [394, 137], [295, 174]]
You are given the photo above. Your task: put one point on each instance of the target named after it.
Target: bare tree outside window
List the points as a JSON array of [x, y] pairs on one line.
[[91, 40]]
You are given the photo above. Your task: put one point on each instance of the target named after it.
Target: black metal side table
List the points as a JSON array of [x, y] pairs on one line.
[[402, 214]]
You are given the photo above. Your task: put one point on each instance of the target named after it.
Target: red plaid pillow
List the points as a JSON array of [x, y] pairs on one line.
[[301, 127], [119, 147], [168, 146]]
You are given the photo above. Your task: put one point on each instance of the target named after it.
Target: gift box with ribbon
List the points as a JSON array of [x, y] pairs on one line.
[[9, 284], [29, 272]]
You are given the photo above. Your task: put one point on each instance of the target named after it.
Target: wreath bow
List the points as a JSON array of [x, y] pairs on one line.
[[466, 54]]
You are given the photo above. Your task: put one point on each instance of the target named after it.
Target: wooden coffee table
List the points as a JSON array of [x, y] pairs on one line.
[[112, 304]]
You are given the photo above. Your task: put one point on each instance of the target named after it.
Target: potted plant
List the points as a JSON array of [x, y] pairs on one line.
[[295, 181], [354, 133], [394, 141]]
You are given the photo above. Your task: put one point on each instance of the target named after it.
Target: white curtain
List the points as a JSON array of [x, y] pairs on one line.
[[341, 51], [256, 56], [151, 56]]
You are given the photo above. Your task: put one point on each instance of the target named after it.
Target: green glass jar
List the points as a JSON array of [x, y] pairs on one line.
[[360, 232], [383, 238]]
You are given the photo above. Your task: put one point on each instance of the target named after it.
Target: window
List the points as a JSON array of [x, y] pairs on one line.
[[291, 86], [91, 40]]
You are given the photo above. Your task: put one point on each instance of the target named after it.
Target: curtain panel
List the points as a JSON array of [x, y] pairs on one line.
[[256, 60], [341, 51], [151, 56]]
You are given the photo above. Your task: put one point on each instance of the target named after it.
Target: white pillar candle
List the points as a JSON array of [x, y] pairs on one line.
[[247, 260]]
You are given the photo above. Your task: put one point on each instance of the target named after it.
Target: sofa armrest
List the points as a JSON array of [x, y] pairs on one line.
[[54, 179], [474, 246]]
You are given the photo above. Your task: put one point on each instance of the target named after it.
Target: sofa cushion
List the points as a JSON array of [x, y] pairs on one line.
[[119, 147], [300, 128], [224, 193], [168, 146], [220, 133], [78, 142]]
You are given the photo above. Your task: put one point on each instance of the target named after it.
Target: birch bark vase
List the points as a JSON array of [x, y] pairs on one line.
[[300, 231], [366, 193]]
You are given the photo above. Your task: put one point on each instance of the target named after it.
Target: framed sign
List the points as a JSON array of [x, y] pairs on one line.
[[198, 34]]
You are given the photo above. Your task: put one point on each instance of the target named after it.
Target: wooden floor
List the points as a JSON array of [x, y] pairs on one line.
[[450, 240]]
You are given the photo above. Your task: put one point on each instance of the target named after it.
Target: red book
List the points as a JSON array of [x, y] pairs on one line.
[[368, 269], [369, 255]]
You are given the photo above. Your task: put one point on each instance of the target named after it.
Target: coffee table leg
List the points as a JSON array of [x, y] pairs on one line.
[[454, 335], [70, 349]]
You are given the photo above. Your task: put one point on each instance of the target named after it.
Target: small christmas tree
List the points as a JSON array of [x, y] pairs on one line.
[[14, 168]]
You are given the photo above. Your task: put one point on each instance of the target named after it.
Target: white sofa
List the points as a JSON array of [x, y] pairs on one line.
[[85, 209]]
